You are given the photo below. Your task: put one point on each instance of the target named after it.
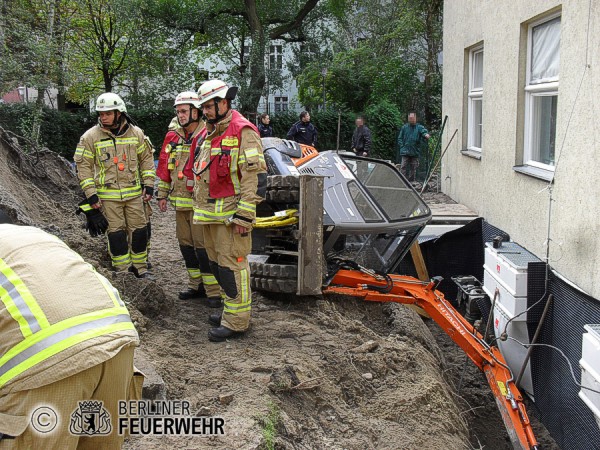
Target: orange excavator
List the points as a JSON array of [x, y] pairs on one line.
[[370, 218], [356, 281]]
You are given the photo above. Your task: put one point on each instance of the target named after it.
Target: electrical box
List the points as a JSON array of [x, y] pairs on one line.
[[590, 369]]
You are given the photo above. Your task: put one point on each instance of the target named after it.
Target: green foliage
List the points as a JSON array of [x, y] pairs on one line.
[[384, 120], [269, 423]]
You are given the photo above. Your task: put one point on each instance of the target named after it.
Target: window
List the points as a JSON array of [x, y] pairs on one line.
[[541, 93], [475, 99], [276, 57], [281, 104], [245, 54]]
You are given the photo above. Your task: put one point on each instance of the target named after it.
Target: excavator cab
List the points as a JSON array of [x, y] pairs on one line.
[[363, 209]]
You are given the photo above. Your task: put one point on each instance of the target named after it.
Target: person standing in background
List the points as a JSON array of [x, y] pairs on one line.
[[410, 140], [361, 138], [264, 127], [303, 132]]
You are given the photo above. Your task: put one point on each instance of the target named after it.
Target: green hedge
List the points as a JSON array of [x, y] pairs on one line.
[[60, 130]]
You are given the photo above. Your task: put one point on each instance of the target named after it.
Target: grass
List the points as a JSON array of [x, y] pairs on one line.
[[269, 424]]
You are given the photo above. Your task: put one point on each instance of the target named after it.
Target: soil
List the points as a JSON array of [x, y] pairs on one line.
[[311, 373]]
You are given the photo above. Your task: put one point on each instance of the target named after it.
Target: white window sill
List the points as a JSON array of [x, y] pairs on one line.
[[472, 154], [535, 172]]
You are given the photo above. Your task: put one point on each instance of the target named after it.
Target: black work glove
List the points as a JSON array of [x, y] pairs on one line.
[[96, 223], [149, 190]]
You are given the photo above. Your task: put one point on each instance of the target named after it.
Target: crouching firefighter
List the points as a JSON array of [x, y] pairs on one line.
[[230, 181], [183, 137], [116, 172]]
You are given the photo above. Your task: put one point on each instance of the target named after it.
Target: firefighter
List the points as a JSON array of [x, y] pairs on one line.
[[116, 172], [174, 185], [230, 181], [66, 338]]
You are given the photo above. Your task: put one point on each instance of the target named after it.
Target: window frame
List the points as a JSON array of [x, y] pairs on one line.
[[281, 103], [474, 95], [276, 57], [547, 87]]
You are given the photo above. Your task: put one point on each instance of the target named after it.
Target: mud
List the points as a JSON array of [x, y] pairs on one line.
[[311, 373]]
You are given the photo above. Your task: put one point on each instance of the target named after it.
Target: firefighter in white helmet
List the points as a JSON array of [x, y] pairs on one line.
[[230, 181], [182, 138], [115, 167], [66, 341]]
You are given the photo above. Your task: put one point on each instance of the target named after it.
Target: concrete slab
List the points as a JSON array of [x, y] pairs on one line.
[[451, 213]]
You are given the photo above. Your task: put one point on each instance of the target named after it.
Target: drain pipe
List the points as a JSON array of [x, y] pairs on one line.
[[535, 338]]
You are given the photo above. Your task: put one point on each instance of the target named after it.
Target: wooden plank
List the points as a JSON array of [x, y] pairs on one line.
[[310, 246], [417, 256], [451, 209]]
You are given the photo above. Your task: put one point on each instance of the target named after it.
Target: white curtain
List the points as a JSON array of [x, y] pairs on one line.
[[545, 51]]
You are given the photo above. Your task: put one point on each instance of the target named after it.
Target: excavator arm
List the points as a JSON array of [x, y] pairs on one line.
[[371, 286]]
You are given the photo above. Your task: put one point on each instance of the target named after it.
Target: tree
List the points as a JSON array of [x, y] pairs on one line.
[[386, 51], [227, 27]]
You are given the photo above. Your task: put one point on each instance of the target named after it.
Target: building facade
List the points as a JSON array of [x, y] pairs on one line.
[[522, 87]]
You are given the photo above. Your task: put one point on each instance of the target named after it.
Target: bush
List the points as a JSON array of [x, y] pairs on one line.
[[384, 120]]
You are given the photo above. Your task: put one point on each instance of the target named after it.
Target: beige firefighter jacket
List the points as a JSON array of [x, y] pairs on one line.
[[58, 316], [239, 208], [114, 167], [175, 187]]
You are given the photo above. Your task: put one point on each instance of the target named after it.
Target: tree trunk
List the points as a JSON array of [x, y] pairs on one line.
[[251, 99]]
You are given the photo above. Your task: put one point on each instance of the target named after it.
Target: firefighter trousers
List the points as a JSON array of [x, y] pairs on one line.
[[191, 244], [228, 254], [57, 405], [127, 234]]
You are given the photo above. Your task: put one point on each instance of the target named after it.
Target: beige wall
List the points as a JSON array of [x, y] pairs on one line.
[[512, 201]]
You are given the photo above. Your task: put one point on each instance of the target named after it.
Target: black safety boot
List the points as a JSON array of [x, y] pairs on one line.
[[215, 319], [222, 333], [214, 302], [190, 293]]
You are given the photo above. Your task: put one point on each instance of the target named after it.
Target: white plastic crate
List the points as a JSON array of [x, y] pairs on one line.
[[590, 368], [509, 265], [512, 305]]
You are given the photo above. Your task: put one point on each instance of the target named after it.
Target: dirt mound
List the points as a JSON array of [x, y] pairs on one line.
[[39, 188]]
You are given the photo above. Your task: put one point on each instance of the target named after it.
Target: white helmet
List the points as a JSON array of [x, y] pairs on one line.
[[187, 98], [214, 89], [109, 102]]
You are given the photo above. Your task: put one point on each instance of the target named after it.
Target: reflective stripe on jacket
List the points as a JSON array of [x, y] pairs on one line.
[[58, 316], [114, 167], [174, 155]]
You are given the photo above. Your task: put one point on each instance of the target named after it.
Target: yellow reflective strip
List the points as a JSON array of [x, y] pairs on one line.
[[205, 216], [148, 173], [246, 206], [59, 326], [24, 293], [241, 160], [251, 152], [209, 280], [127, 140], [88, 154], [215, 151], [79, 151], [61, 346], [86, 183], [110, 289], [233, 170], [103, 144], [164, 185], [244, 283]]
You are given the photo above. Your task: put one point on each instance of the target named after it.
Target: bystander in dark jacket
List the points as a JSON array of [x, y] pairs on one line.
[[303, 131], [361, 138], [264, 126]]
